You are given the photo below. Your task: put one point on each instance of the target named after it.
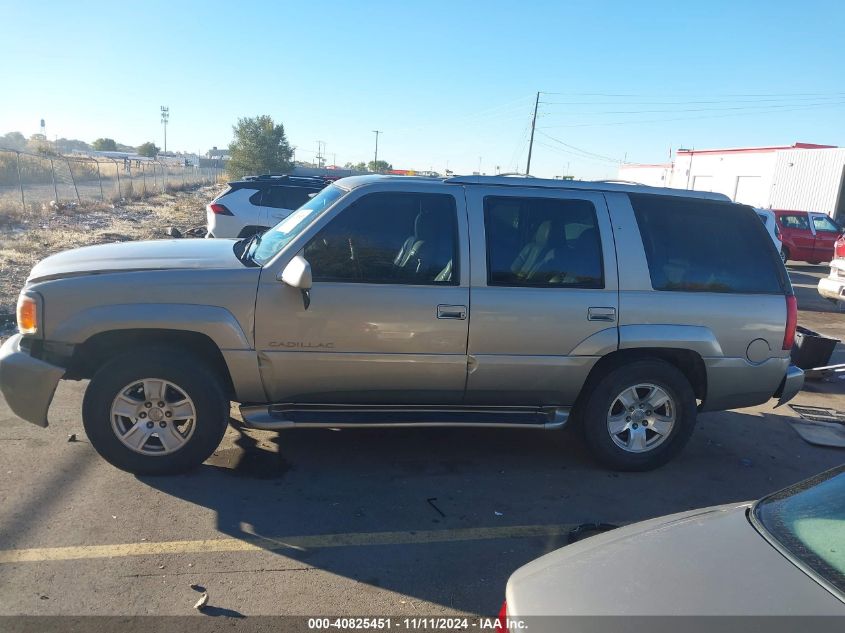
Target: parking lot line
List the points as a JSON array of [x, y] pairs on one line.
[[259, 543]]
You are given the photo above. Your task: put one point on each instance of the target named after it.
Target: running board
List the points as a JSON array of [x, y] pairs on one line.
[[288, 416]]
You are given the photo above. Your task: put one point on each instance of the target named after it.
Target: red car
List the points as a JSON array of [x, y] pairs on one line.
[[807, 236]]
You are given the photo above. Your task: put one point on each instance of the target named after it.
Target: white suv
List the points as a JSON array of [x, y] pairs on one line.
[[256, 203]]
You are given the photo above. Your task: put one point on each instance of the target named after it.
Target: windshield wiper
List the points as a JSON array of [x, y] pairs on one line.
[[246, 247]]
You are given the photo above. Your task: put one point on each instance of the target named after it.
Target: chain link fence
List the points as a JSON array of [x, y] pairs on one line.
[[30, 180]]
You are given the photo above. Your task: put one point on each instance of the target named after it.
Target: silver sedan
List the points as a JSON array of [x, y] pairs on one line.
[[781, 555]]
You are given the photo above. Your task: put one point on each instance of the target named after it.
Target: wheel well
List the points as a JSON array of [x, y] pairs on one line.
[[88, 357], [689, 363]]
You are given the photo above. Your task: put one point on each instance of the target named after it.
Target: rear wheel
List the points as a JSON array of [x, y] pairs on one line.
[[148, 412], [639, 416]]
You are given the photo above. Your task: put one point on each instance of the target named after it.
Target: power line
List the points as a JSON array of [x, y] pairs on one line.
[[693, 102], [602, 162], [581, 150], [725, 109], [694, 118], [707, 94]]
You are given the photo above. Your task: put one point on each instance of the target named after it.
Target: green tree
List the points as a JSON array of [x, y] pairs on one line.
[[379, 167], [104, 145], [259, 147], [13, 140], [362, 166], [148, 149]]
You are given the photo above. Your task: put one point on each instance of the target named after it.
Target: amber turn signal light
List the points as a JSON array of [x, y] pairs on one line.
[[27, 315]]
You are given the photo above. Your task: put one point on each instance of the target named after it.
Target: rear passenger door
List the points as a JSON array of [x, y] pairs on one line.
[[543, 294]]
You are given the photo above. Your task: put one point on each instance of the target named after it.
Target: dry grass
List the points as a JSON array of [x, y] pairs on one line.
[[27, 237]]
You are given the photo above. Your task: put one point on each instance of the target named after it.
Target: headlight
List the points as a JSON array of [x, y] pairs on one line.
[[27, 315]]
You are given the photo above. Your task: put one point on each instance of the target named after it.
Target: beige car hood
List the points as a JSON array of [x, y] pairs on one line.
[[130, 256]]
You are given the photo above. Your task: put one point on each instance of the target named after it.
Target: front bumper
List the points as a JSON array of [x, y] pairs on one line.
[[792, 383], [27, 384]]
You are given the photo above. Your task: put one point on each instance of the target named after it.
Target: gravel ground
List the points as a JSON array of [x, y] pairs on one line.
[[26, 238]]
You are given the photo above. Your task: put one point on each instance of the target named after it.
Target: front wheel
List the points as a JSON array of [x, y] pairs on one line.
[[638, 416], [155, 412]]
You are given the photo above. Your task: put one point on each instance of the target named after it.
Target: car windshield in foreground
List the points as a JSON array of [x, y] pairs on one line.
[[275, 239], [808, 521]]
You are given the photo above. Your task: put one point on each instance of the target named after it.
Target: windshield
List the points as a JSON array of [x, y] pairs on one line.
[[278, 237], [808, 521]]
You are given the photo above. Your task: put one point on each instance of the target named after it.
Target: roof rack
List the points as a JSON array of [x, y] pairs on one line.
[[286, 177], [594, 185]]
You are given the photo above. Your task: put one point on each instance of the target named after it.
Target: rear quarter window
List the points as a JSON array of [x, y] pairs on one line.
[[695, 245]]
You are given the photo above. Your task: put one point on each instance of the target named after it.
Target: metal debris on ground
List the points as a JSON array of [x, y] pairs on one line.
[[71, 437], [200, 605], [431, 501], [819, 425], [818, 414], [828, 371]]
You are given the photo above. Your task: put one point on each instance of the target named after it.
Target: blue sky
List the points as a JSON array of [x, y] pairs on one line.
[[450, 84]]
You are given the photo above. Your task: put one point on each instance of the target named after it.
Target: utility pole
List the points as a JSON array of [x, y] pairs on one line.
[[321, 146], [165, 117], [375, 157], [531, 142]]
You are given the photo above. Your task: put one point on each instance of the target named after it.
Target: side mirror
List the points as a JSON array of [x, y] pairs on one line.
[[297, 274]]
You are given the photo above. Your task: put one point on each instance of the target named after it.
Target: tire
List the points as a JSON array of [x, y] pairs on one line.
[[197, 422], [645, 448]]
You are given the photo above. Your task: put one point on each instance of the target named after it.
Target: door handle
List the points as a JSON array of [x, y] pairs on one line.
[[601, 314], [451, 312]]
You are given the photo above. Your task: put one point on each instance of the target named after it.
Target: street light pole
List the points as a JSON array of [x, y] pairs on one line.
[[375, 157]]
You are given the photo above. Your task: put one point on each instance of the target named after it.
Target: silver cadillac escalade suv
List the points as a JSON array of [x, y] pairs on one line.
[[396, 301]]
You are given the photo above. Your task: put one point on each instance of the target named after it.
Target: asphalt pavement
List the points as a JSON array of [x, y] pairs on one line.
[[372, 522]]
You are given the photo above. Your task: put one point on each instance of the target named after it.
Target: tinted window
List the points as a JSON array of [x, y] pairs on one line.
[[287, 197], [824, 223], [706, 246], [795, 222], [546, 242], [389, 238]]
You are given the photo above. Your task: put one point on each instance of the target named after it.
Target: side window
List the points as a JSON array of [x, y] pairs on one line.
[[276, 197], [297, 196], [824, 223], [399, 238], [705, 246], [795, 222], [542, 242]]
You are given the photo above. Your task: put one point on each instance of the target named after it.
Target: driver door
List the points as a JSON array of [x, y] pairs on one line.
[[827, 232], [388, 316]]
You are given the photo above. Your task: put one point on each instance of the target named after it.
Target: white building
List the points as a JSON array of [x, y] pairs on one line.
[[803, 177]]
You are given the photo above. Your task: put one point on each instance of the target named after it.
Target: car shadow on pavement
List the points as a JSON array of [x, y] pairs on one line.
[[269, 487]]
